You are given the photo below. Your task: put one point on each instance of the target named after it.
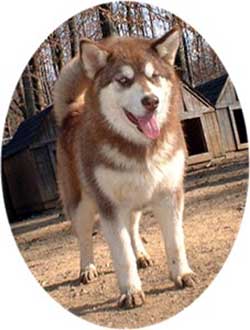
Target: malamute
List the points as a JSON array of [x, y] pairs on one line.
[[120, 149]]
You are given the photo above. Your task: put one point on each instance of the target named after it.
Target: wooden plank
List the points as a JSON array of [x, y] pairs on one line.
[[21, 177], [195, 159], [47, 180], [213, 135], [243, 146], [206, 135], [52, 155], [240, 146], [194, 114], [227, 135], [227, 96], [193, 102], [40, 144], [46, 132], [7, 198]]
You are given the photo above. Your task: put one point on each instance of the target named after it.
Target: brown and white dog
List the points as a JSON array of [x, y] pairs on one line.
[[120, 149]]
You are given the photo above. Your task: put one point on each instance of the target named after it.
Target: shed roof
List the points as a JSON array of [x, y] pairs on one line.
[[211, 89], [25, 134], [199, 96]]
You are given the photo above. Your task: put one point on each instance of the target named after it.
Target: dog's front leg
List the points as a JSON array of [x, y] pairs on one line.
[[169, 212], [116, 232]]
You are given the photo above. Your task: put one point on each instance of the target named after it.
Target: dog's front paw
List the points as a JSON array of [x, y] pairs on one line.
[[132, 299], [144, 261], [186, 280], [88, 274]]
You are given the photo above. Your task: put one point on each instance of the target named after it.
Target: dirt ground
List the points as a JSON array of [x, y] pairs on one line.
[[215, 199]]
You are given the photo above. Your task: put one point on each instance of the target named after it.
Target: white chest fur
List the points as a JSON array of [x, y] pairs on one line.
[[136, 186]]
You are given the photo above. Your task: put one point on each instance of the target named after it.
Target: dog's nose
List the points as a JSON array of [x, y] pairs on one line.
[[150, 102]]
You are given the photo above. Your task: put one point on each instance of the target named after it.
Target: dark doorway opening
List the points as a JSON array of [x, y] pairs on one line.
[[194, 136], [240, 124]]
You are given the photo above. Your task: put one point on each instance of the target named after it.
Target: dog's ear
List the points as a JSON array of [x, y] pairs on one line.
[[168, 45], [93, 56]]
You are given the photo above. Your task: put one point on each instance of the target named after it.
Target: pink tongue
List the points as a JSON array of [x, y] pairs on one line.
[[149, 126]]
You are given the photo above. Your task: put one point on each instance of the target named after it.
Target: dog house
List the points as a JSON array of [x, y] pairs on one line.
[[29, 159], [221, 94], [29, 167], [200, 126]]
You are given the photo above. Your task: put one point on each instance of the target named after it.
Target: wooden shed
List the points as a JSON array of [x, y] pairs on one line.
[[29, 167], [212, 121], [222, 95], [201, 128]]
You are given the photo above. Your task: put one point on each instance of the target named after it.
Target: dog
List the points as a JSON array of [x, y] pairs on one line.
[[120, 149]]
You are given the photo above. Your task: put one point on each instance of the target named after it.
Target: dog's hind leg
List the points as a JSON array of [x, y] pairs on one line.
[[142, 257], [82, 221]]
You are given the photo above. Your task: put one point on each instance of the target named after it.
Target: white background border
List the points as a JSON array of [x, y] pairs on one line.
[[23, 26]]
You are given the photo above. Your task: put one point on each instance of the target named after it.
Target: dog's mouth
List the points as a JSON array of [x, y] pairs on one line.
[[146, 124]]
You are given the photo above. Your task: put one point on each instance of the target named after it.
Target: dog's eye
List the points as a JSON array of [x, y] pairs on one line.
[[156, 75], [124, 81]]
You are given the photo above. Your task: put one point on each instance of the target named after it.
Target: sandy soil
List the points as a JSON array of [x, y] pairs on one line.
[[215, 198]]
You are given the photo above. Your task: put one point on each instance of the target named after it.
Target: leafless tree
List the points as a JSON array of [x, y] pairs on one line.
[[197, 61]]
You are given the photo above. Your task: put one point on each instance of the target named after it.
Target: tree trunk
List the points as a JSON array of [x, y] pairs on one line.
[[36, 82], [56, 51], [29, 98], [129, 19], [19, 96], [185, 55], [107, 26], [73, 36], [45, 87], [182, 56], [151, 21]]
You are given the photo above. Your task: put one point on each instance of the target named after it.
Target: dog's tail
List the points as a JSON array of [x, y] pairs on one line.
[[69, 90]]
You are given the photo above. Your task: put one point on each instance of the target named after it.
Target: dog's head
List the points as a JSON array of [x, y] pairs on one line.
[[133, 79]]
